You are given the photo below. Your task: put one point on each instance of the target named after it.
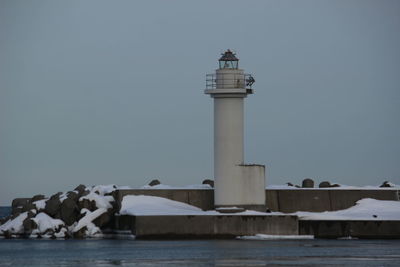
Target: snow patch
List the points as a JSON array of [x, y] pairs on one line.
[[274, 237], [150, 205], [40, 204], [45, 223], [164, 186], [102, 202], [87, 221], [15, 226], [365, 209]]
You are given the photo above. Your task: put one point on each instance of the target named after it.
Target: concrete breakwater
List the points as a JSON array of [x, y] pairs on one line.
[[281, 200], [86, 212]]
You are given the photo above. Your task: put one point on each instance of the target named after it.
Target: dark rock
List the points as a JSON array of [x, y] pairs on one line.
[[289, 184], [53, 206], [29, 206], [81, 233], [7, 234], [103, 219], [297, 186], [81, 189], [385, 184], [209, 182], [154, 182], [87, 204], [18, 204], [335, 185], [307, 183], [69, 211], [29, 224], [37, 197], [324, 184]]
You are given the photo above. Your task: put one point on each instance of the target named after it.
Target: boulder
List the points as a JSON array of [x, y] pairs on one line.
[[18, 204], [307, 183], [154, 182], [324, 184], [209, 182], [81, 233], [53, 206], [87, 204], [37, 197], [29, 224], [69, 211], [386, 184], [103, 219], [81, 189], [28, 206], [335, 185], [289, 184]]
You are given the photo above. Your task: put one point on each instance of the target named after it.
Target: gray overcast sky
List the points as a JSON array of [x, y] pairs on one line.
[[99, 92]]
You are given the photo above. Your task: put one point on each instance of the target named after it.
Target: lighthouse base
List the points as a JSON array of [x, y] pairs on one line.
[[239, 208]]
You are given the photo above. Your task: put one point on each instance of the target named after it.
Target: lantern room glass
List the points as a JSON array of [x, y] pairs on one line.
[[228, 64]]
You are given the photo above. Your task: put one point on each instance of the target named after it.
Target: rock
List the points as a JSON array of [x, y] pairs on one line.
[[297, 186], [209, 182], [29, 206], [69, 211], [18, 204], [386, 184], [307, 183], [103, 219], [53, 206], [324, 184], [335, 185], [7, 234], [81, 189], [37, 197], [289, 184], [154, 182], [29, 224], [87, 204], [81, 233]]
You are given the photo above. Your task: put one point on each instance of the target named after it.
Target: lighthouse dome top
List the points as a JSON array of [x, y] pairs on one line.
[[228, 60]]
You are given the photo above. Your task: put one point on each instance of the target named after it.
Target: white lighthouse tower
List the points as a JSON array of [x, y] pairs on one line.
[[236, 183]]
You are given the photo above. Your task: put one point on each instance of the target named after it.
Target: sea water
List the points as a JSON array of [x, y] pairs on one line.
[[106, 252]]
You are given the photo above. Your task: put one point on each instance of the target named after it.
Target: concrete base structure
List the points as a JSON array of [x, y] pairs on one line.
[[206, 226], [354, 229]]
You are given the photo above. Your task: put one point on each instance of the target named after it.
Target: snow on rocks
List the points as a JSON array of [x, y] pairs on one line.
[[14, 226], [101, 201], [46, 224], [85, 226], [79, 213]]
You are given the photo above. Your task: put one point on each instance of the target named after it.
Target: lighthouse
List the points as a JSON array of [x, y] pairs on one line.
[[236, 184]]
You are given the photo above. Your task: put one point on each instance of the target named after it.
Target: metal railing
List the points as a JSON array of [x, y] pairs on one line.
[[244, 81]]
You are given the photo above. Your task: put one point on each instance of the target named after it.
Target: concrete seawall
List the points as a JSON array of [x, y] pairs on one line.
[[206, 226], [283, 200], [358, 229]]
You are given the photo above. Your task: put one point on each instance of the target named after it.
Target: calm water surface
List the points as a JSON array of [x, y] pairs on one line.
[[25, 252], [199, 252]]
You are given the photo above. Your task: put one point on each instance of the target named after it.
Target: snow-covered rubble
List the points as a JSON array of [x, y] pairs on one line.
[[78, 213]]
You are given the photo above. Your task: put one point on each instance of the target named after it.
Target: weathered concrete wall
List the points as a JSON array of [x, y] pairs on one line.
[[282, 200], [359, 229], [207, 225], [317, 200], [202, 198]]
